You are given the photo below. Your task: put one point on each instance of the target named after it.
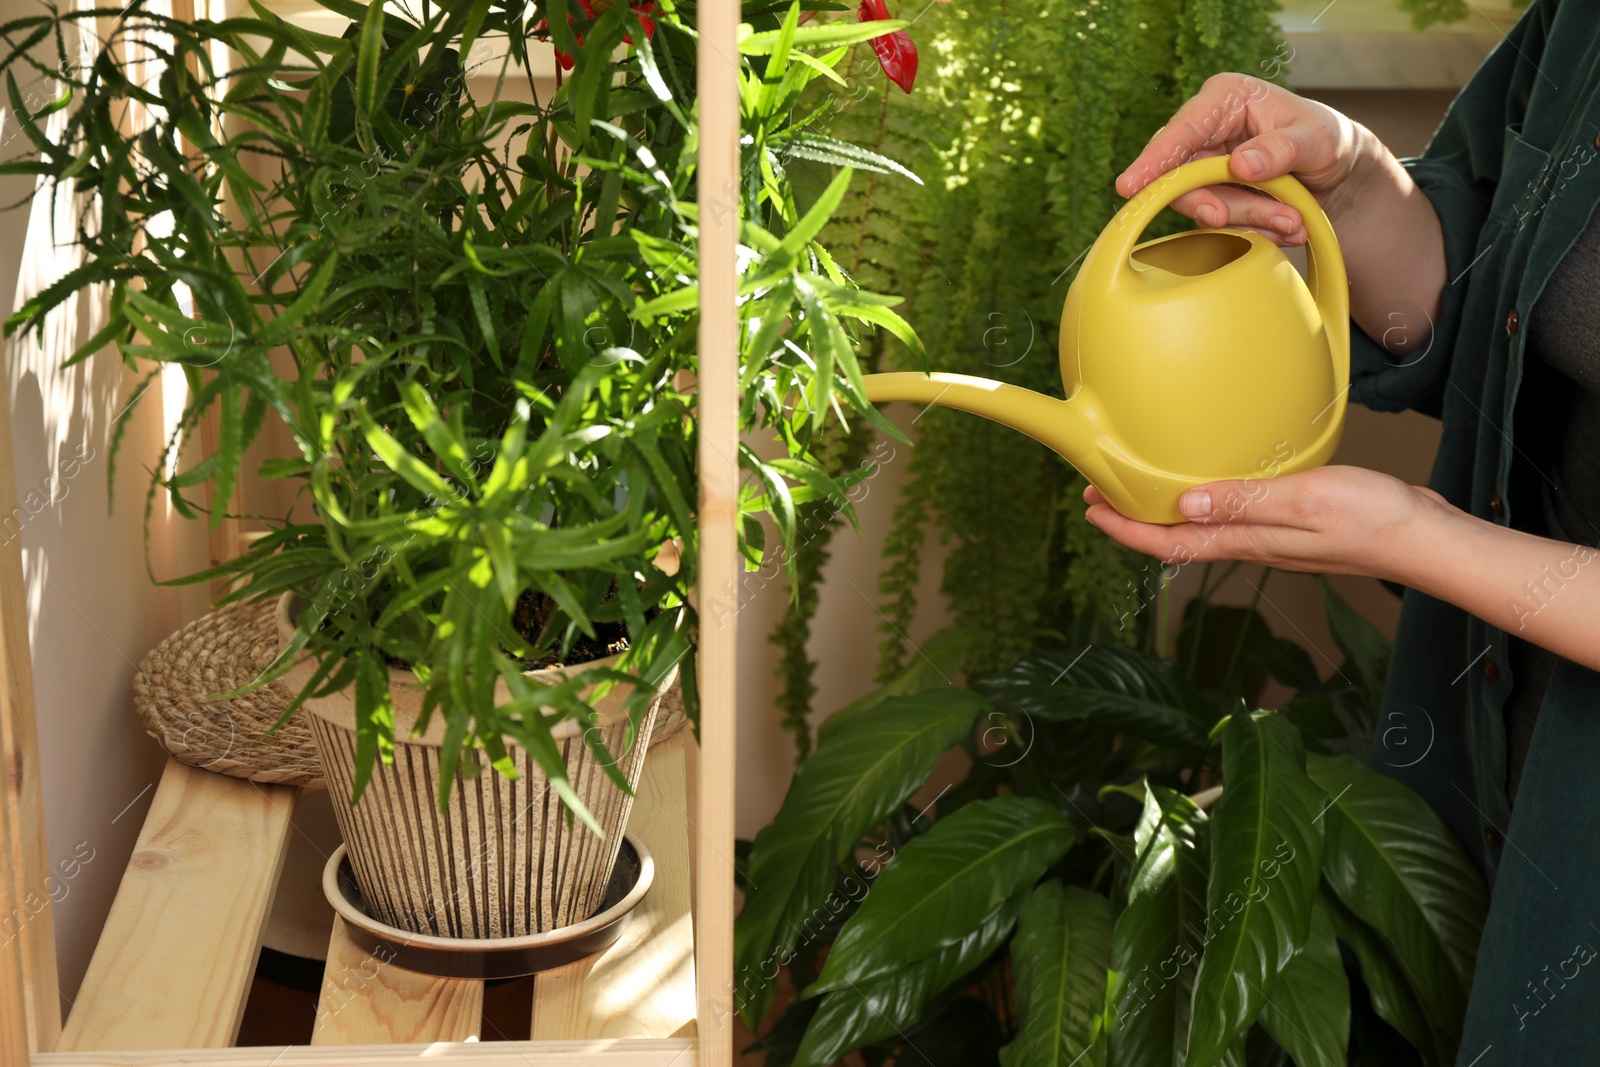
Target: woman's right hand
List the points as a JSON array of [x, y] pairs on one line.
[[1389, 233], [1269, 131]]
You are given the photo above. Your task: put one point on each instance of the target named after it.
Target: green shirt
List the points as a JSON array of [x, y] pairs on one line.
[[1513, 175]]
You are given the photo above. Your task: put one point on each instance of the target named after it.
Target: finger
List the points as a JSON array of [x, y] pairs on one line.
[[1297, 148], [1248, 209], [1182, 544], [1206, 123], [1278, 501], [1091, 495]]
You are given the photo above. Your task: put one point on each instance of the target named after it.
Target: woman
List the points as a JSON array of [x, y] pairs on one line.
[[1477, 268]]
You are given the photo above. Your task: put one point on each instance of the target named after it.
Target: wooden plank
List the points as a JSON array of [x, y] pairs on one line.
[[367, 1000], [13, 967], [175, 959], [642, 986], [671, 1052], [711, 820], [29, 916]]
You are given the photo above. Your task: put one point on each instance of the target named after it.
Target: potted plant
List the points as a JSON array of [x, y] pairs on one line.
[[1136, 869], [475, 318]]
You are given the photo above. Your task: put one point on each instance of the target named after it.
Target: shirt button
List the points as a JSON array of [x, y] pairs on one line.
[[1597, 140], [1492, 836], [1490, 671], [1497, 506], [1511, 322]]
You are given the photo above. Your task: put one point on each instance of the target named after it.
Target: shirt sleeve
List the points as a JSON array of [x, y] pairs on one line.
[[1459, 172]]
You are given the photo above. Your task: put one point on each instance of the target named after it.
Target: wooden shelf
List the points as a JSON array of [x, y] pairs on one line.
[[174, 963]]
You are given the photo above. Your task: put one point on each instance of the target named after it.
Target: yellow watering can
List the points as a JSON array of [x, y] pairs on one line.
[[1184, 360]]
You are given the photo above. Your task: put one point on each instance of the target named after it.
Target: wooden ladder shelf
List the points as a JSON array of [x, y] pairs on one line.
[[176, 958]]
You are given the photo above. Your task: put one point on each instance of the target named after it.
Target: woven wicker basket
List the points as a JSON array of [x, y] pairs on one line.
[[224, 650]]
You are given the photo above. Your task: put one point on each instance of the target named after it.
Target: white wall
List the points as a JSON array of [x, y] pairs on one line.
[[92, 612]]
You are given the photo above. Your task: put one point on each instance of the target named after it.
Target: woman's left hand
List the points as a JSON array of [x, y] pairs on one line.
[[1333, 520]]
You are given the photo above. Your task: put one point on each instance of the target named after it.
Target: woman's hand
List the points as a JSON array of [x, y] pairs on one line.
[[1332, 520], [1347, 520], [1389, 235], [1270, 131]]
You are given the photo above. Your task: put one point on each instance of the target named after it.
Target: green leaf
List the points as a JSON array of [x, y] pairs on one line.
[[1156, 943], [843, 154], [1366, 650], [889, 1005], [402, 462], [278, 330], [231, 444], [1118, 688], [822, 35], [1266, 862], [811, 223], [1060, 955], [1399, 869], [968, 864], [1308, 1014], [1387, 989], [849, 785], [369, 52]]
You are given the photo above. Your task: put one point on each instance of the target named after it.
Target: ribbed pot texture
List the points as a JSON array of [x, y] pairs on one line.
[[506, 859]]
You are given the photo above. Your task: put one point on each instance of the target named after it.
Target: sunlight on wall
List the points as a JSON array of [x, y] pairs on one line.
[[92, 610]]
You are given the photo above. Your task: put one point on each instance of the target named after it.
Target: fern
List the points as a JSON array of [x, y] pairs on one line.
[[1023, 114]]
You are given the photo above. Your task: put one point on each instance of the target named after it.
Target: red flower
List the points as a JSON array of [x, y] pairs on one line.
[[593, 9], [896, 54]]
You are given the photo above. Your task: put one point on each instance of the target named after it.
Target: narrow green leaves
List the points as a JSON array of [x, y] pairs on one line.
[[1267, 845], [368, 54], [1060, 953], [823, 35]]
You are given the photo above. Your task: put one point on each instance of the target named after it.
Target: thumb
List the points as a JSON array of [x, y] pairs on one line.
[[1228, 501]]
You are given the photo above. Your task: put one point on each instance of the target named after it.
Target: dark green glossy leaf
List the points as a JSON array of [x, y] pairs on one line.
[[888, 1005], [968, 864], [1266, 863], [1157, 939], [1117, 688], [1060, 953], [1399, 869], [849, 785], [1366, 650], [1388, 991], [1308, 1013]]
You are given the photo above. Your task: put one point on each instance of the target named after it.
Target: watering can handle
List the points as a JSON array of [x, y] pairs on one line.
[[1328, 282]]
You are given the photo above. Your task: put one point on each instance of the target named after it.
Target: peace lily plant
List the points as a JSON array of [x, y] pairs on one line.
[[1135, 869]]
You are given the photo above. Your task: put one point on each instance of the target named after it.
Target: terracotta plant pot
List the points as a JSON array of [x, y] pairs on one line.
[[506, 859]]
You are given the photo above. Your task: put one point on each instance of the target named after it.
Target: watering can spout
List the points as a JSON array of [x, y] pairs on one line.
[[1043, 418]]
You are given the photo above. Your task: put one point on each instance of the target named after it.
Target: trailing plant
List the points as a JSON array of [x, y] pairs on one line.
[[475, 316], [1136, 869]]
